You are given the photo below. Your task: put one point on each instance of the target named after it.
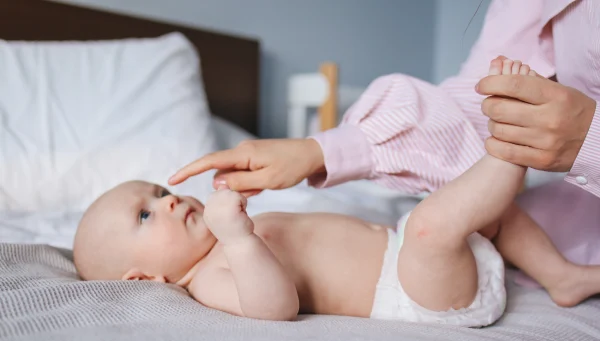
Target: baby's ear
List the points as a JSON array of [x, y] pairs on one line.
[[137, 275]]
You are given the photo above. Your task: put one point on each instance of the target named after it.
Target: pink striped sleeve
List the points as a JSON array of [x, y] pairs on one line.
[[585, 172], [413, 136], [402, 132]]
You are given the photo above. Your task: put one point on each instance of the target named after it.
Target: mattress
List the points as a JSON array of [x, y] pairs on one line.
[[41, 298]]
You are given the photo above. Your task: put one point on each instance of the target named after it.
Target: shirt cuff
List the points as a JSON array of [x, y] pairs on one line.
[[347, 154], [585, 172]]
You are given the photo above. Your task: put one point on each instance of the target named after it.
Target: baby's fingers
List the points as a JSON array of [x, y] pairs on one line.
[[243, 203]]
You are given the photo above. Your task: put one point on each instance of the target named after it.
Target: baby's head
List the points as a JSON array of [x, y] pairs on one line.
[[139, 231]]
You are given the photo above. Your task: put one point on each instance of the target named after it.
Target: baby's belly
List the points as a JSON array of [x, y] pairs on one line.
[[335, 261]]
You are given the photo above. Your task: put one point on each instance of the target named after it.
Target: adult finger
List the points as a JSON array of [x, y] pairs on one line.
[[220, 172], [244, 202], [249, 194], [219, 177], [534, 90], [219, 181], [514, 134], [224, 159], [244, 181], [519, 155], [510, 111]]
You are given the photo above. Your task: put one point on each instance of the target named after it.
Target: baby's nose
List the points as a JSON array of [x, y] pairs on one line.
[[171, 201]]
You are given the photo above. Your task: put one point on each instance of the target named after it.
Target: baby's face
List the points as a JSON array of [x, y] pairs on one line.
[[160, 236]]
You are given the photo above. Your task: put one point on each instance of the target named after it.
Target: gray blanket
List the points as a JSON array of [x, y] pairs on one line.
[[41, 298]]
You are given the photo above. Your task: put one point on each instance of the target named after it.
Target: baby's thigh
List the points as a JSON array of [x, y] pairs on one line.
[[491, 231], [436, 274]]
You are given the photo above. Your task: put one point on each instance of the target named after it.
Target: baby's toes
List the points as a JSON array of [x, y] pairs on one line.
[[525, 69], [495, 67], [507, 67], [516, 67], [532, 73]]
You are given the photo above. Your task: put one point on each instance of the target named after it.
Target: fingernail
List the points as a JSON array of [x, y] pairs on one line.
[[477, 87], [220, 181]]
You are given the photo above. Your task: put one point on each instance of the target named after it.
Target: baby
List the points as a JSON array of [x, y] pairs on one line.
[[443, 264]]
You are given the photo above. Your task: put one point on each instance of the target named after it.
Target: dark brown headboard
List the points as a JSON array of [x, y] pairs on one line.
[[230, 65]]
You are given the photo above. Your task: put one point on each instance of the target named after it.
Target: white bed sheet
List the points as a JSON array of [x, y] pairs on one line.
[[363, 199]]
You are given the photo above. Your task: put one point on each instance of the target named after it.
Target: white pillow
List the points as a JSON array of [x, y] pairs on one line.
[[228, 135], [77, 118]]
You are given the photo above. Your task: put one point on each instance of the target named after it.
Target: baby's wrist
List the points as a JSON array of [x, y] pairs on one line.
[[240, 241]]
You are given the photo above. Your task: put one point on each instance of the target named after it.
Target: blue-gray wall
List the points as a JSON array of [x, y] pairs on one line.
[[452, 44], [367, 38]]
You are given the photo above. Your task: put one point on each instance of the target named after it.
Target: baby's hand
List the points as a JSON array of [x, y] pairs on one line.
[[226, 217]]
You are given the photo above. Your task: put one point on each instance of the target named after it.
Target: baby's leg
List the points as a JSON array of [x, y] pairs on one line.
[[523, 243], [436, 265]]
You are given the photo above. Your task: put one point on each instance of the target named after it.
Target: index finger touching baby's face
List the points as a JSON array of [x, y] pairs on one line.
[[224, 159]]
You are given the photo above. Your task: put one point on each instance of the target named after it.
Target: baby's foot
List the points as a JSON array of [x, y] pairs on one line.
[[504, 66], [572, 288]]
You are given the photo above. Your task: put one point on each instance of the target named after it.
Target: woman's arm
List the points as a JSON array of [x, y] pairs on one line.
[[585, 172], [403, 132], [415, 136]]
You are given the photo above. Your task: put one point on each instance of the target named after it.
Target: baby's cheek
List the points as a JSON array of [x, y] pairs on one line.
[[172, 240], [160, 242]]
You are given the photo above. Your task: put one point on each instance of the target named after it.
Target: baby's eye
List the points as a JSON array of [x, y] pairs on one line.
[[144, 215], [164, 193]]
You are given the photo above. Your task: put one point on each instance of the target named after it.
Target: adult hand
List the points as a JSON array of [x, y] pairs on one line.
[[255, 165], [535, 122]]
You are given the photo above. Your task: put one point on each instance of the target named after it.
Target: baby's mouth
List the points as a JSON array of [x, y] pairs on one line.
[[188, 214]]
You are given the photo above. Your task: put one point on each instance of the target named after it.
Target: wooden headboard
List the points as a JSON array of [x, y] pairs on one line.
[[230, 65]]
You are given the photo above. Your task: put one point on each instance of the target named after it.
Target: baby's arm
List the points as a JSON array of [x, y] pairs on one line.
[[256, 285]]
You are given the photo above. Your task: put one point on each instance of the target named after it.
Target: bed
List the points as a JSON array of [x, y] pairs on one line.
[[41, 297]]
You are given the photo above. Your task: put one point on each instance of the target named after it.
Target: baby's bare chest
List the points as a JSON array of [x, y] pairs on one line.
[[320, 245], [329, 258]]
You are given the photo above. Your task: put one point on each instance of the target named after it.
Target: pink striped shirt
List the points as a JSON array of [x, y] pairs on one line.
[[413, 136]]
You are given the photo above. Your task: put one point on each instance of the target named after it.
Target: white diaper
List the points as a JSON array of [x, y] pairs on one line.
[[391, 302]]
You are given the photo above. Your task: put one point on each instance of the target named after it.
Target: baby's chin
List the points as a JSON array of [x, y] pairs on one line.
[[204, 239]]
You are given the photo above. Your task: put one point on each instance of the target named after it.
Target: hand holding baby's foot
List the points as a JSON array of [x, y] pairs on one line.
[[504, 66], [226, 217]]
